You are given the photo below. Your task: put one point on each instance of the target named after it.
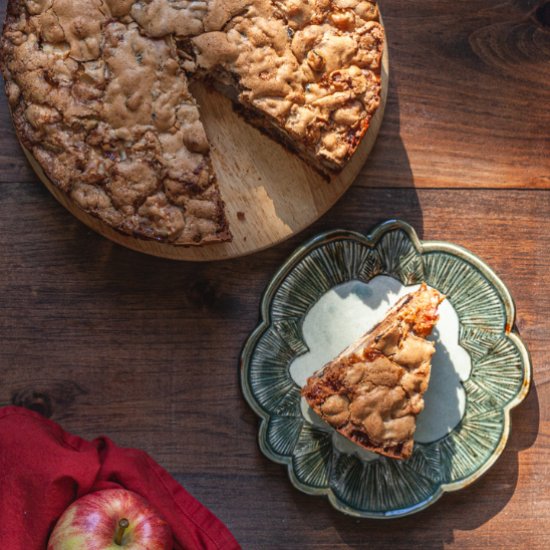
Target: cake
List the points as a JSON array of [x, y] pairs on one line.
[[373, 391], [99, 93]]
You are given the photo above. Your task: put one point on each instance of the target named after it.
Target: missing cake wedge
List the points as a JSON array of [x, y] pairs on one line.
[[373, 391]]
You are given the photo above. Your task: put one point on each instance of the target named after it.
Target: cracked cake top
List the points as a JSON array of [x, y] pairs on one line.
[[99, 94], [374, 390]]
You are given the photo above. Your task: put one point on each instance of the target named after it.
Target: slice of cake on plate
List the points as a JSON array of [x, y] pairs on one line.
[[373, 391]]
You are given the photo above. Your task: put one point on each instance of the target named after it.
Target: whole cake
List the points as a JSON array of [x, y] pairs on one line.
[[99, 95], [374, 390]]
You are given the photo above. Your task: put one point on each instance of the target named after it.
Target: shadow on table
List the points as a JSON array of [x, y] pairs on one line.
[[461, 511]]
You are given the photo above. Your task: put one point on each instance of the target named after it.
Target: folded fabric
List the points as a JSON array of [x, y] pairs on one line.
[[43, 469]]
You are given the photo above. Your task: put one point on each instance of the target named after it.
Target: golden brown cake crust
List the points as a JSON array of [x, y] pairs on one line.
[[106, 112], [309, 69], [373, 391], [98, 91]]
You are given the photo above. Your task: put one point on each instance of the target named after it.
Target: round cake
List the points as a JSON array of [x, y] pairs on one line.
[[99, 93]]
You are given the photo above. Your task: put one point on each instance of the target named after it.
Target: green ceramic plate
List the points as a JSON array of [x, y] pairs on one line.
[[332, 289]]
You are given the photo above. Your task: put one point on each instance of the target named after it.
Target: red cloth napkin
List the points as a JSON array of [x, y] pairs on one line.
[[43, 469]]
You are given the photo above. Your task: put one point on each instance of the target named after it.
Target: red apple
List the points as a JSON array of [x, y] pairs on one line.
[[110, 520]]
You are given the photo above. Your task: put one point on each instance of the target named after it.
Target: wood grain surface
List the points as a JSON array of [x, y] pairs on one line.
[[107, 341]]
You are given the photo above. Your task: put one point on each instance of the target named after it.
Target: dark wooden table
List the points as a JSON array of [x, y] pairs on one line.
[[107, 341]]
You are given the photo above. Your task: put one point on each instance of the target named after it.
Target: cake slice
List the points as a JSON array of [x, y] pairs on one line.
[[373, 391]]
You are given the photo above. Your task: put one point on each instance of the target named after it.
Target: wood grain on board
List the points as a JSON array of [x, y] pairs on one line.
[[270, 194], [108, 341]]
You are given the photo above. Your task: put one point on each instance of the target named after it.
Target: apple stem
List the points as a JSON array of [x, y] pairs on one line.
[[122, 526]]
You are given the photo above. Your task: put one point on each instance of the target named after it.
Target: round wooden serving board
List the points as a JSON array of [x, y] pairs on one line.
[[270, 194]]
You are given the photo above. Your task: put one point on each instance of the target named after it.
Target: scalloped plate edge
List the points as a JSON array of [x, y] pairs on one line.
[[370, 240]]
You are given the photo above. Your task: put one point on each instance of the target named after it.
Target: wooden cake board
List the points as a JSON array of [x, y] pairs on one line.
[[270, 194]]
